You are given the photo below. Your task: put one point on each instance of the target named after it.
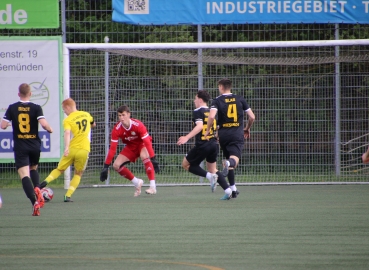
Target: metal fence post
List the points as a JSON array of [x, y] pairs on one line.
[[199, 57], [337, 147], [200, 77], [106, 40], [66, 94], [64, 22]]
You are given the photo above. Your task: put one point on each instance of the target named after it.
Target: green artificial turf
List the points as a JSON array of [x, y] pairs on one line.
[[266, 227]]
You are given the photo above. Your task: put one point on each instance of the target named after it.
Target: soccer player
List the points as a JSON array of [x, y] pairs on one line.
[[230, 109], [25, 116], [134, 135], [205, 147], [77, 149]]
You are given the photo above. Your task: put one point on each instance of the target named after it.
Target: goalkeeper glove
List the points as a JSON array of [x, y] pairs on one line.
[[155, 164], [104, 173]]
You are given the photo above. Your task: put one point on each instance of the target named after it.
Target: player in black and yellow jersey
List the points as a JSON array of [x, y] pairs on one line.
[[24, 116], [206, 147], [77, 149], [231, 109]]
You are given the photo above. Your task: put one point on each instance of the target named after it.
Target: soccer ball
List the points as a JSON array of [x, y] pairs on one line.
[[47, 193]]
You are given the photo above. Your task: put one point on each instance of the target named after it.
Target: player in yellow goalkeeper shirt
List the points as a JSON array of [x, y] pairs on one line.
[[77, 149]]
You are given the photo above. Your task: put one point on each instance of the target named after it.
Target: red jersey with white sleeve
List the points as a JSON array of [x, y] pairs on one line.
[[135, 138]]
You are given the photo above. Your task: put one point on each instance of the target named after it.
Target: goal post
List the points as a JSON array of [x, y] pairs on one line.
[[215, 45], [290, 85], [66, 94]]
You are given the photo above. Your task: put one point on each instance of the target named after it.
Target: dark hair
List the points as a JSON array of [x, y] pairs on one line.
[[226, 83], [203, 95], [123, 108]]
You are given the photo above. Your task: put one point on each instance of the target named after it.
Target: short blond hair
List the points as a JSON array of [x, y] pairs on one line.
[[24, 89], [69, 103]]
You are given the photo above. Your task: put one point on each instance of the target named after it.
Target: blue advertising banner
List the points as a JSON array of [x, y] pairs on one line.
[[171, 12]]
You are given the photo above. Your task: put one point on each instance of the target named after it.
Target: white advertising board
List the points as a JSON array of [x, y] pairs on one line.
[[36, 61]]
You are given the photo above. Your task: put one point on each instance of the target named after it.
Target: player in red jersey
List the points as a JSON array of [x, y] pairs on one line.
[[134, 135]]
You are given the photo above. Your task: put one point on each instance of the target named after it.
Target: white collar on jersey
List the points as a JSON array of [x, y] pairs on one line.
[[200, 108], [226, 94], [24, 101], [130, 125]]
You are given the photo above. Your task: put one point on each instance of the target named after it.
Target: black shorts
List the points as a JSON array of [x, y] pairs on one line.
[[208, 151], [26, 157], [231, 147]]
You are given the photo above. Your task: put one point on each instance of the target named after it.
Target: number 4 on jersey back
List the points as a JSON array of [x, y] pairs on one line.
[[232, 112]]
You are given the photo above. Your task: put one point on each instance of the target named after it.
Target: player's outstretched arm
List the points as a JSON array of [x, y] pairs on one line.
[[5, 124], [45, 125], [251, 119], [66, 142], [194, 131]]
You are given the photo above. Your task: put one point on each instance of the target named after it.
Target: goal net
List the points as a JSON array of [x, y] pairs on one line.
[[310, 100]]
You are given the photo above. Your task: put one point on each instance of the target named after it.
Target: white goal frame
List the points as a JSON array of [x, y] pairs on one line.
[[200, 45]]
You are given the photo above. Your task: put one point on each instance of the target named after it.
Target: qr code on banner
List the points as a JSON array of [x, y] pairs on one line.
[[136, 6]]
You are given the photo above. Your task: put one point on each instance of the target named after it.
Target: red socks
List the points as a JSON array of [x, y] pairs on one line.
[[123, 171], [149, 169]]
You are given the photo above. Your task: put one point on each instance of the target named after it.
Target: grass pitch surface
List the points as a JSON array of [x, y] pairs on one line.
[[266, 227]]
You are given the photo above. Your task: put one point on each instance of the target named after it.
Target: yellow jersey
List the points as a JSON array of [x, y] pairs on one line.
[[79, 123]]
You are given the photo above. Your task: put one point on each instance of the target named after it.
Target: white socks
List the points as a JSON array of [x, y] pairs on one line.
[[135, 181], [208, 176]]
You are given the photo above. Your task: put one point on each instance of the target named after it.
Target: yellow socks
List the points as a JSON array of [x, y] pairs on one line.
[[73, 185], [53, 175]]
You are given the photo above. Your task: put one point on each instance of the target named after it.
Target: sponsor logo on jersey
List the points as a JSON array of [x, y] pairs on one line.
[[131, 138], [231, 125], [26, 136]]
